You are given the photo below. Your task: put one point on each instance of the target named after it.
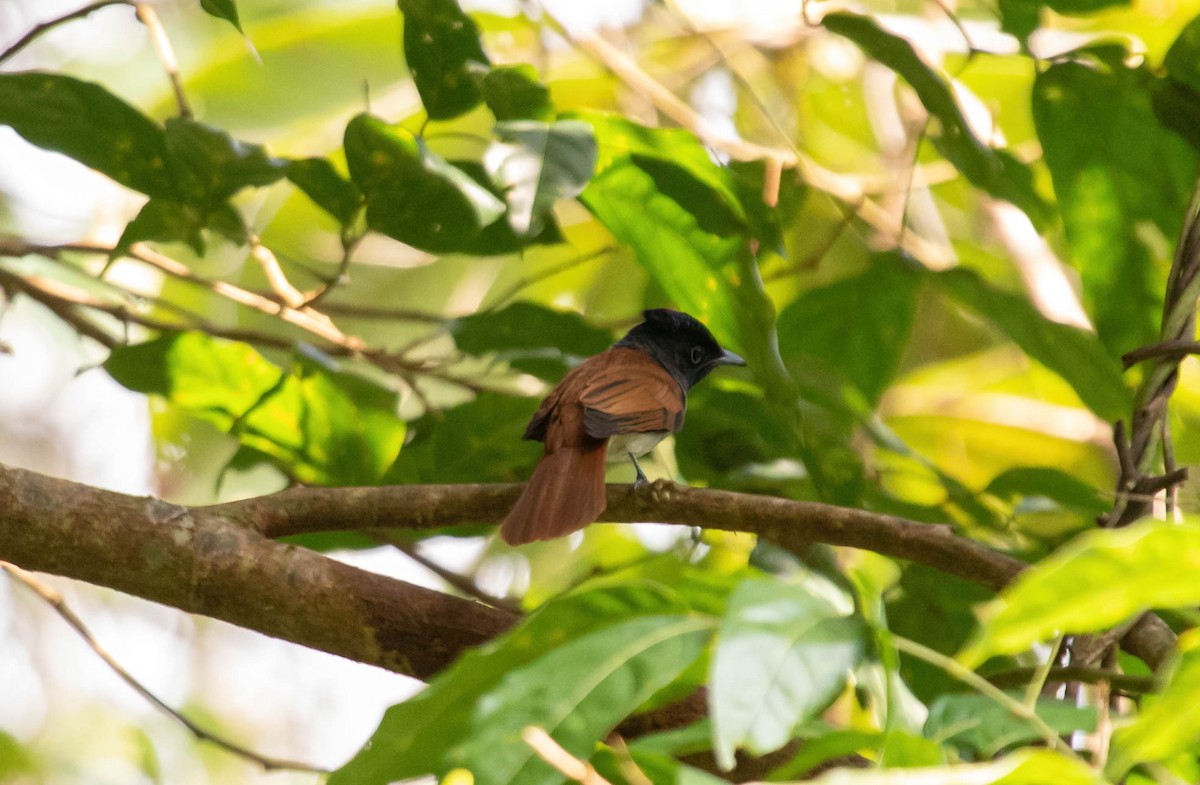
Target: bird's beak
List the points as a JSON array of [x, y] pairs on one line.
[[729, 358]]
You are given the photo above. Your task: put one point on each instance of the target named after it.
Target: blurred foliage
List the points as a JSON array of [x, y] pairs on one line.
[[498, 205]]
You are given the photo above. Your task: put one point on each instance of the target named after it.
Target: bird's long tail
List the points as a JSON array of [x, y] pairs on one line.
[[565, 494]]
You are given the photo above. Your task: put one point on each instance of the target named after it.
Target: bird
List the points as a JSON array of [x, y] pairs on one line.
[[617, 404]]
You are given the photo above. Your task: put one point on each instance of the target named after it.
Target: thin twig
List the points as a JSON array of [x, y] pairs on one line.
[[166, 54], [315, 296], [460, 582], [1125, 682], [290, 295], [50, 24], [526, 281], [565, 763], [1042, 672], [981, 685], [1176, 348], [55, 601]]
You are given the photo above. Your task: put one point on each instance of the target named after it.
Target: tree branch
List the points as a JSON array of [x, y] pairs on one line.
[[201, 561], [218, 560]]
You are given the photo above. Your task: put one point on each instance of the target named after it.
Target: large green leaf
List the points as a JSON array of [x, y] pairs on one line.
[[782, 655], [531, 337], [412, 194], [1099, 579], [91, 125], [995, 171], [577, 693], [1123, 182], [480, 440], [210, 165], [694, 245], [1024, 767], [980, 724], [537, 164], [858, 326], [319, 426], [1169, 723], [415, 738], [513, 92], [164, 221], [936, 610], [1077, 356], [441, 46]]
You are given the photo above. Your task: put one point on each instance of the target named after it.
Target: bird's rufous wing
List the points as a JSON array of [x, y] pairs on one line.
[[630, 393]]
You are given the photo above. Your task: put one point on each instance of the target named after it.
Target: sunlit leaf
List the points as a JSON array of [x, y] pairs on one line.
[[223, 9], [782, 655], [694, 245], [413, 194], [1123, 182], [316, 425], [1099, 579], [982, 725], [1074, 354], [86, 122], [995, 171], [537, 164], [1169, 723], [513, 92], [441, 46], [333, 193], [416, 737]]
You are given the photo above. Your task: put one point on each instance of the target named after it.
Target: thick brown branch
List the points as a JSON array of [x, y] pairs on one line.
[[200, 561], [790, 524]]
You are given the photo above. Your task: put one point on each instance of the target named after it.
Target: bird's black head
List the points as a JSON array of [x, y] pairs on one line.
[[680, 344]]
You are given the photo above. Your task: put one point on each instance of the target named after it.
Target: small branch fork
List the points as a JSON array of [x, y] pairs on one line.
[[56, 601]]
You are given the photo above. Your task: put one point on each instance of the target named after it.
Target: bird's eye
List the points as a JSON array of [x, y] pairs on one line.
[[697, 354]]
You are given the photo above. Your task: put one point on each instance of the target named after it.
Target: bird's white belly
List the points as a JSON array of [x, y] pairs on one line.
[[622, 444]]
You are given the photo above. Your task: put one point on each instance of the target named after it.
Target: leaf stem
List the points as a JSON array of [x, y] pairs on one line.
[[981, 685]]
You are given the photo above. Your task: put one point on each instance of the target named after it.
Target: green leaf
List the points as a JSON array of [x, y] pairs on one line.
[[415, 737], [333, 193], [88, 123], [319, 426], [441, 46], [211, 166], [620, 139], [223, 9], [513, 92], [857, 326], [537, 164], [985, 727], [1099, 579], [936, 610], [1026, 482], [413, 195], [656, 768], [480, 439], [1123, 183], [1075, 355], [782, 655], [995, 171], [693, 244], [164, 221], [1168, 723], [578, 693], [1024, 767], [531, 337]]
